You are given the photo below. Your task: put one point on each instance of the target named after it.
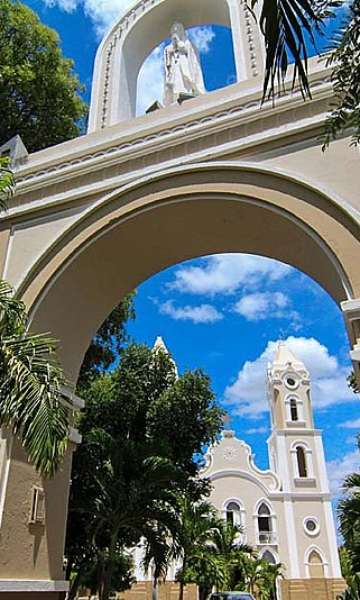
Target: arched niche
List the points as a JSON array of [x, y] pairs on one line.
[[216, 51], [141, 29]]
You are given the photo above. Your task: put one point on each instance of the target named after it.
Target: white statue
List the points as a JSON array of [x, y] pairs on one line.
[[183, 74]]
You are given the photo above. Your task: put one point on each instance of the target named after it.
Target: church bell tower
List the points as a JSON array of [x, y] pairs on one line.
[[296, 454]]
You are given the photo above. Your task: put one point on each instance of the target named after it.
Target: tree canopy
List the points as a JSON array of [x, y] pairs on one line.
[[39, 93], [144, 431]]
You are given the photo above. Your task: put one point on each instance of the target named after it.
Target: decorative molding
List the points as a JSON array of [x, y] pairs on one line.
[[217, 117], [249, 20]]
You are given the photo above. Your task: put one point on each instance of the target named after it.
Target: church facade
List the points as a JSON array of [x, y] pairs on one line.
[[285, 512]]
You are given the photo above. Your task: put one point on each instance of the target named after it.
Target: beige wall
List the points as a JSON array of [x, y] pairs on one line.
[[37, 553]]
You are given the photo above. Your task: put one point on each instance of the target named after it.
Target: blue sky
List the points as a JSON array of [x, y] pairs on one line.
[[225, 313]]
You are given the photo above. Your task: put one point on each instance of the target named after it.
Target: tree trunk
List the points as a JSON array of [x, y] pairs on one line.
[[181, 590], [182, 585], [155, 589], [108, 571], [75, 586]]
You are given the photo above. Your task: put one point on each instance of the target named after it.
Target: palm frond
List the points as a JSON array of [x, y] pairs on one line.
[[286, 26], [6, 183], [12, 311], [30, 398]]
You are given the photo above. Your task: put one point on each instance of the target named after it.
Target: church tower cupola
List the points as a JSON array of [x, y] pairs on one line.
[[289, 391]]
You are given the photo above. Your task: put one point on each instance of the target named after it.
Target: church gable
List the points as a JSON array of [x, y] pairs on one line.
[[233, 457]]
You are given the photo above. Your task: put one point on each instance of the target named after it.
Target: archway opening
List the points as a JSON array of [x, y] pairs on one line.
[[133, 236]]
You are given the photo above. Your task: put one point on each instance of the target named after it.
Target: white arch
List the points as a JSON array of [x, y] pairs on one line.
[[314, 548], [308, 456], [127, 44], [268, 504], [338, 203], [299, 404], [242, 513], [271, 552], [264, 538]]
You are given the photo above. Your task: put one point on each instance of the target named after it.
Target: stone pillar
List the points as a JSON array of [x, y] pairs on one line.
[[351, 310], [33, 514]]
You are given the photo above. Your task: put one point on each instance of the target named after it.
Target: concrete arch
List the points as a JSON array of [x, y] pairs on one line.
[[159, 222]]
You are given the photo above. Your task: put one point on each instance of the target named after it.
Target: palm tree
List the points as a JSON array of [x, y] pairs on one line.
[[349, 516], [260, 577], [196, 524], [158, 548], [226, 543], [135, 501], [31, 402], [352, 579]]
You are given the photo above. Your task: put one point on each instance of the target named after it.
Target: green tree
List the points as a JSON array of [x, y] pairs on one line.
[[352, 579], [349, 515], [197, 522], [260, 577], [345, 60], [39, 93], [227, 544], [108, 342], [131, 405]]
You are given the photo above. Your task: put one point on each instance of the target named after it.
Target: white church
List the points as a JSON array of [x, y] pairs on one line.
[[285, 512]]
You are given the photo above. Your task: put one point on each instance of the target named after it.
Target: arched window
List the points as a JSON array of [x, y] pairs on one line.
[[265, 525], [316, 565], [233, 513], [294, 414], [301, 462], [269, 557]]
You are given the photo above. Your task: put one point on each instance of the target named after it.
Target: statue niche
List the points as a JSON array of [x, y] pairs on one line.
[[183, 74]]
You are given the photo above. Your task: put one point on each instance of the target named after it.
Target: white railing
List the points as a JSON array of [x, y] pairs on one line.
[[267, 537]]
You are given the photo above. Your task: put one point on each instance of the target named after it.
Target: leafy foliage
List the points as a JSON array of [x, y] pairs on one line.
[[345, 60], [287, 25], [352, 579], [107, 344], [39, 94], [214, 555], [349, 516], [138, 467], [6, 183], [30, 384], [353, 382]]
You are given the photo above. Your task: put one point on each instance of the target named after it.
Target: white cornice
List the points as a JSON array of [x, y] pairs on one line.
[[111, 145]]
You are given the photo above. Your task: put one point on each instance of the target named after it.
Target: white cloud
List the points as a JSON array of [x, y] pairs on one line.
[[226, 273], [328, 379], [265, 305], [257, 430], [102, 12], [204, 313], [202, 37], [355, 424], [339, 468]]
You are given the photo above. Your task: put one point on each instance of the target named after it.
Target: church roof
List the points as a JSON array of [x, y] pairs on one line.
[[160, 345], [284, 357]]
